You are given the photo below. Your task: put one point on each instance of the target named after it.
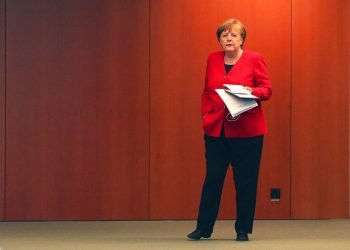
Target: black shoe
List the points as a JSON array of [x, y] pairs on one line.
[[242, 237], [197, 234]]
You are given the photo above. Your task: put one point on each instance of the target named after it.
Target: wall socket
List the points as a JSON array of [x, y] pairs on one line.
[[275, 194]]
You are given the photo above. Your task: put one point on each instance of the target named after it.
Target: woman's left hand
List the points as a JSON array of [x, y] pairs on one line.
[[249, 89]]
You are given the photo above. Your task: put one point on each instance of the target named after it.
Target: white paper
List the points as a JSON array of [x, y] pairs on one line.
[[240, 91], [234, 104], [234, 88]]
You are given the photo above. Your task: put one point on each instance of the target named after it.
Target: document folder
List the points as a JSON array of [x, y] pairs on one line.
[[240, 91], [235, 104]]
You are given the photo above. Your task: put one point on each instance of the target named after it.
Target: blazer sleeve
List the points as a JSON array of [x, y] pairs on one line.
[[262, 88], [205, 94]]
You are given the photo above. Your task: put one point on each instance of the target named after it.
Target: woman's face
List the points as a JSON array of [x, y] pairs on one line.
[[231, 40]]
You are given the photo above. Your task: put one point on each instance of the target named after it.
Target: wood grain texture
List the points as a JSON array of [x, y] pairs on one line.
[[123, 109], [320, 109], [77, 139], [2, 109], [182, 35], [51, 110]]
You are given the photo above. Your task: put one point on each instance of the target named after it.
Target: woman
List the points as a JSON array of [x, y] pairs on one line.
[[232, 140]]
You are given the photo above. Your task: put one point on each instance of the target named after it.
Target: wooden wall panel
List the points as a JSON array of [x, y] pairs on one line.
[[123, 108], [51, 110], [2, 109], [77, 142], [182, 35], [320, 109]]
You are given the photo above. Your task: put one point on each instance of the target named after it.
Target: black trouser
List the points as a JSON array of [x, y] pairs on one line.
[[244, 154]]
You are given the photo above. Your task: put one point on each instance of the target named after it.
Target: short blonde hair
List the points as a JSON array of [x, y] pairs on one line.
[[227, 25]]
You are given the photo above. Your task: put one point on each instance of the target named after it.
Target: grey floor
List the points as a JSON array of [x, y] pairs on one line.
[[168, 235]]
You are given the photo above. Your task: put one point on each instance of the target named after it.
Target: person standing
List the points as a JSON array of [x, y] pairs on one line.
[[232, 140]]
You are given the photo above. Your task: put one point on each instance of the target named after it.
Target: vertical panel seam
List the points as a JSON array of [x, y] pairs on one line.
[[290, 111], [149, 111], [348, 98], [5, 112]]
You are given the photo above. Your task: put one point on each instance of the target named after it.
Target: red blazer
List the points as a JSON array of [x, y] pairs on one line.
[[250, 70]]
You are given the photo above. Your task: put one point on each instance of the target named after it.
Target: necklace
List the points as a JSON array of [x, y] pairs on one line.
[[231, 61]]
